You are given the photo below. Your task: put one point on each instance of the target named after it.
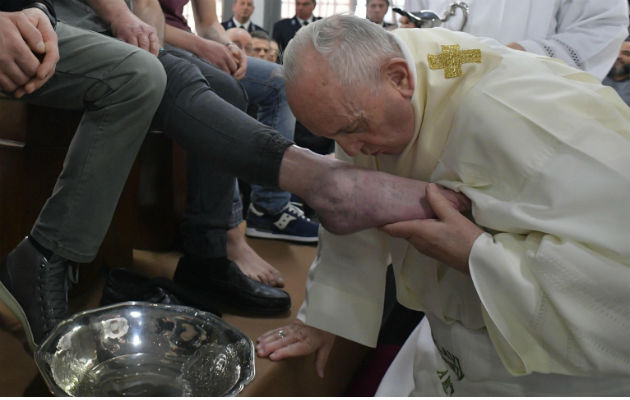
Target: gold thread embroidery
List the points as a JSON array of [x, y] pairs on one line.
[[452, 59]]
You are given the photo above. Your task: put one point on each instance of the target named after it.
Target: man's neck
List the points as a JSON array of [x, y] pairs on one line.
[[620, 78], [243, 22]]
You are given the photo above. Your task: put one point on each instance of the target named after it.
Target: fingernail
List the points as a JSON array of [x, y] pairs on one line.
[[41, 47]]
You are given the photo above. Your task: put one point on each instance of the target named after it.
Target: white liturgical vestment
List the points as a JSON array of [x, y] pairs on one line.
[[543, 152], [585, 34]]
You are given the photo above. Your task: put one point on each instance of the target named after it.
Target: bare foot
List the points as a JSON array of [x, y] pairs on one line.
[[249, 262]]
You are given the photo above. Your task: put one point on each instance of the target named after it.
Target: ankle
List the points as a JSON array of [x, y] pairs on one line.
[[192, 269], [43, 250]]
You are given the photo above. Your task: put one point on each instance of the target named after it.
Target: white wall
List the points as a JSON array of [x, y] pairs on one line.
[[259, 12]]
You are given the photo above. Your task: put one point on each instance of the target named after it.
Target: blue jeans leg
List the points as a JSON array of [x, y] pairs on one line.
[[264, 84]]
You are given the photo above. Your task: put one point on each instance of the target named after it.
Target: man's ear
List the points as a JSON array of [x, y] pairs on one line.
[[396, 71]]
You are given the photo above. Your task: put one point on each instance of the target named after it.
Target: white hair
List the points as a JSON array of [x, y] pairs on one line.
[[354, 47]]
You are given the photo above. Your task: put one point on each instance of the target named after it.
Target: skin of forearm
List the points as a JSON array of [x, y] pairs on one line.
[[109, 10], [181, 38], [347, 198], [214, 32], [150, 12]]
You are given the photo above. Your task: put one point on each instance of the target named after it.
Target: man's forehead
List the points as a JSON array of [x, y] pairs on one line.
[[261, 42], [319, 104]]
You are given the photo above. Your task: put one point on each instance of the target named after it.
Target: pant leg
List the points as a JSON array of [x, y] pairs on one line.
[[232, 92], [264, 83], [217, 136], [201, 121], [119, 88]]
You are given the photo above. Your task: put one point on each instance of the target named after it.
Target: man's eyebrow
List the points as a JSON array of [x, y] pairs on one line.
[[352, 126]]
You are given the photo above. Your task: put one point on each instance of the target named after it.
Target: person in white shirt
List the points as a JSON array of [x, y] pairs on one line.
[[585, 34]]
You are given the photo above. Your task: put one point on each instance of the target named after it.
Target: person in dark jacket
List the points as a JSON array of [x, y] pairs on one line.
[[285, 29], [375, 12], [243, 10]]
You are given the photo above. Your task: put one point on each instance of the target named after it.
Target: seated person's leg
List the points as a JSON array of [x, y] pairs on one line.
[[118, 87], [270, 206], [226, 87], [197, 117], [233, 142], [239, 251], [207, 216]]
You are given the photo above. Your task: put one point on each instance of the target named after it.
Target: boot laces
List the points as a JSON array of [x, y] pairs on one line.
[[55, 280]]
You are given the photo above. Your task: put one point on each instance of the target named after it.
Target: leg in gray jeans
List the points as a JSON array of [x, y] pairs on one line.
[[118, 87]]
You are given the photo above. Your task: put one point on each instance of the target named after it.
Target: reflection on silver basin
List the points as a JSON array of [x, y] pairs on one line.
[[144, 349]]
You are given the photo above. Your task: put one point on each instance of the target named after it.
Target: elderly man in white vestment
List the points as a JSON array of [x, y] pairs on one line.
[[530, 295]]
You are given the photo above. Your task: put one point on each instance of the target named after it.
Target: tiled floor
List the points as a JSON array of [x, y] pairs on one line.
[[19, 375]]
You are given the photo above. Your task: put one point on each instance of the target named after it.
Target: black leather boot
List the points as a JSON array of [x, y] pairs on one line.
[[35, 288]]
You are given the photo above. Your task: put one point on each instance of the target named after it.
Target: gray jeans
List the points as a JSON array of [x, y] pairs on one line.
[[118, 87]]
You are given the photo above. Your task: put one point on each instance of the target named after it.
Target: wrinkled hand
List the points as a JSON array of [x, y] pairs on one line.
[[458, 200], [133, 30], [240, 58], [296, 340], [218, 55], [24, 36], [449, 238]]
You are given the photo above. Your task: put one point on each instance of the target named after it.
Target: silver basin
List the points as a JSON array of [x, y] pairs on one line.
[[143, 349]]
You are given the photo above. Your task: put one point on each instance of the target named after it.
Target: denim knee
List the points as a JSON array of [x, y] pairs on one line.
[[148, 78], [230, 90]]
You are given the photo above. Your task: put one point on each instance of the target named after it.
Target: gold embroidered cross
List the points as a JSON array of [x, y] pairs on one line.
[[452, 59]]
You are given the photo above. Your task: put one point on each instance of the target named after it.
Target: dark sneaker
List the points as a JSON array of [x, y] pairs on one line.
[[219, 281], [289, 224], [35, 289]]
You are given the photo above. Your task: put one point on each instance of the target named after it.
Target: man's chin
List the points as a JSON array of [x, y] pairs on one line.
[[619, 72]]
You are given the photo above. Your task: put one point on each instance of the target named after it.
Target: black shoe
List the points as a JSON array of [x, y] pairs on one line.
[[125, 285], [220, 281], [35, 288]]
